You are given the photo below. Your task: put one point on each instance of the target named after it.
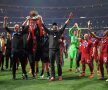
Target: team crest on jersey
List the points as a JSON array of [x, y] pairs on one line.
[[85, 43]]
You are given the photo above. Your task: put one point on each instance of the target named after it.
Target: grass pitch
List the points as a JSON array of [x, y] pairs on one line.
[[71, 81]]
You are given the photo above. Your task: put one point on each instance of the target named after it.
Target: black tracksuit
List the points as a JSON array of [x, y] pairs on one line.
[[45, 49], [54, 51], [8, 53], [31, 55], [17, 49]]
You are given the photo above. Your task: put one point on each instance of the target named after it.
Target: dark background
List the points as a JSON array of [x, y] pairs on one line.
[[57, 11]]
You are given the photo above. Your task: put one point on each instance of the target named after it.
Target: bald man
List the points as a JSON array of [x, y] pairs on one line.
[[85, 58]]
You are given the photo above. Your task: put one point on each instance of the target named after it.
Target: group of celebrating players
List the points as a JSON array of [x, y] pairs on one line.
[[34, 42], [87, 49]]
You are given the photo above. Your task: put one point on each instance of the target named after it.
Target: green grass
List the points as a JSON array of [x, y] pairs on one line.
[[71, 81]]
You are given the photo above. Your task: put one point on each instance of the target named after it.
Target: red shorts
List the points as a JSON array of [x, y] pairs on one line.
[[104, 58], [95, 57], [86, 59]]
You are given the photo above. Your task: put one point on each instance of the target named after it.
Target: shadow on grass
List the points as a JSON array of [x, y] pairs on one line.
[[74, 78], [93, 83], [77, 83], [12, 84], [89, 83]]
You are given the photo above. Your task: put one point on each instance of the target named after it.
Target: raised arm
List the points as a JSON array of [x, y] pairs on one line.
[[79, 32], [5, 22], [5, 26], [106, 33], [46, 30], [66, 22], [26, 22], [25, 25], [75, 27], [89, 30], [71, 31]]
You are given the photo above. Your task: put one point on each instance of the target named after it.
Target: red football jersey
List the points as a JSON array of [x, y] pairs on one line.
[[95, 44], [104, 45], [80, 46], [86, 47]]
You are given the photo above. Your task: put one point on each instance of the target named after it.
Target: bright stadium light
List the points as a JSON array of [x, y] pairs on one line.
[[83, 17]]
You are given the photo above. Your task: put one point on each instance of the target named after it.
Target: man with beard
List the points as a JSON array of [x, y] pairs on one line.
[[54, 48]]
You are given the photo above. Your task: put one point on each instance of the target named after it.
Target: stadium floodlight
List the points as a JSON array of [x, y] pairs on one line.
[[83, 17]]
